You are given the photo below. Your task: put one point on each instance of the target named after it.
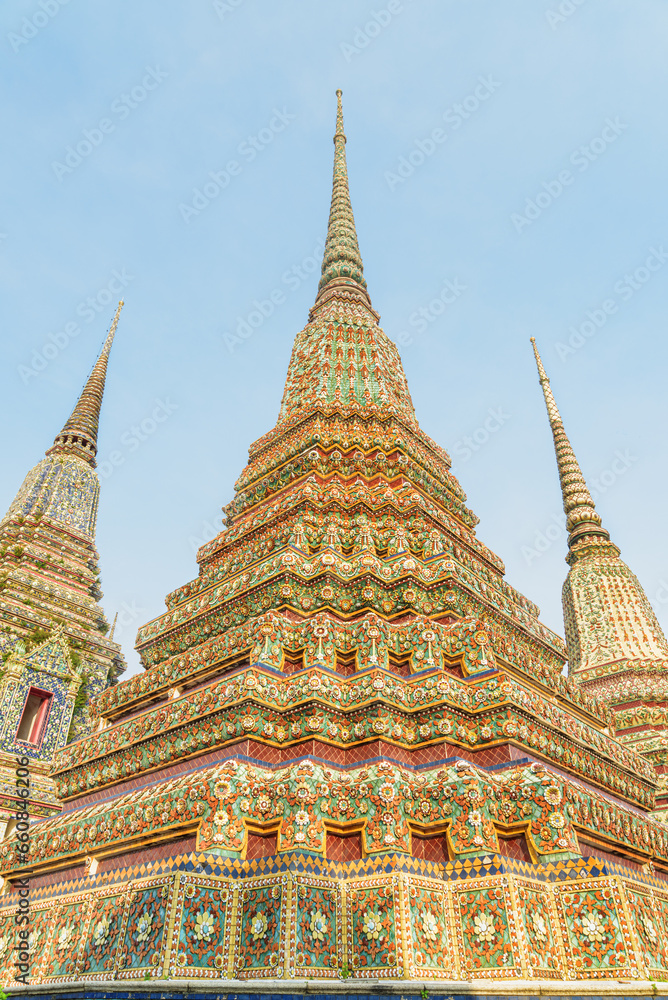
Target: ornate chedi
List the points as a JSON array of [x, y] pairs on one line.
[[55, 656], [352, 751], [617, 651]]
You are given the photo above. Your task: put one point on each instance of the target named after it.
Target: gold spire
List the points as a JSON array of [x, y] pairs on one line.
[[582, 519], [79, 435], [342, 359], [342, 266]]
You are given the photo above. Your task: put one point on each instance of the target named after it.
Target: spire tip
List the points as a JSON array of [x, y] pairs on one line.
[[342, 268], [582, 519], [542, 374], [79, 435], [339, 133]]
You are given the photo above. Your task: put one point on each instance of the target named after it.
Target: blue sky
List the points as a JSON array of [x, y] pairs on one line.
[[540, 196]]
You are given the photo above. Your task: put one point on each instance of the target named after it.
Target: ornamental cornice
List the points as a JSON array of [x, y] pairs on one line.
[[263, 705], [220, 802], [329, 431], [307, 569]]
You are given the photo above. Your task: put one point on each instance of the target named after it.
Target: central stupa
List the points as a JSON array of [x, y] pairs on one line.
[[352, 752]]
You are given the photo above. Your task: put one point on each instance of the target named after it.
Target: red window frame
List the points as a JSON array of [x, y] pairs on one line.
[[38, 726]]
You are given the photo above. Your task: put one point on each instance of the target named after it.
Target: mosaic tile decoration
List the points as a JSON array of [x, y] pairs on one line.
[[617, 650], [352, 753], [50, 587], [595, 931], [316, 928], [202, 919], [380, 926]]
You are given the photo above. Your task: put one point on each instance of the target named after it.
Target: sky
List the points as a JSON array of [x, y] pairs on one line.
[[507, 168]]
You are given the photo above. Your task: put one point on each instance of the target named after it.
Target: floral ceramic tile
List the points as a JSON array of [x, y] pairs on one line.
[[316, 920], [373, 928], [144, 929], [105, 922], [259, 935], [201, 935]]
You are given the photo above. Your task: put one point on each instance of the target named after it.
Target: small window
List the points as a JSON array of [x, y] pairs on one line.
[[346, 662], [33, 718], [9, 829], [293, 661], [400, 664]]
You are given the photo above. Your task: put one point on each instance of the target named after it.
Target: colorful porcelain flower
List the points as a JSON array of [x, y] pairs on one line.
[[650, 929], [204, 926], [483, 927], [430, 925], [318, 925], [539, 927], [258, 926], [100, 932], [4, 946], [143, 928], [223, 789], [593, 927], [372, 926], [65, 938]]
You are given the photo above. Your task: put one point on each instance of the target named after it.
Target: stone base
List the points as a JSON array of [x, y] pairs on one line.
[[296, 989], [377, 921]]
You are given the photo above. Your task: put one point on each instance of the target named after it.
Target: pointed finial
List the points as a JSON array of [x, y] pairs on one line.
[[113, 627], [339, 116], [342, 262], [79, 435], [582, 518]]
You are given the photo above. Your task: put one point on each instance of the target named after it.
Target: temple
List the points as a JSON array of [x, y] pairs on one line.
[[616, 648], [352, 752], [55, 654]]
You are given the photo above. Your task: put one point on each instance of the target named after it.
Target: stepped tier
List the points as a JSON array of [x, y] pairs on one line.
[[283, 640], [221, 805], [49, 564], [418, 715]]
